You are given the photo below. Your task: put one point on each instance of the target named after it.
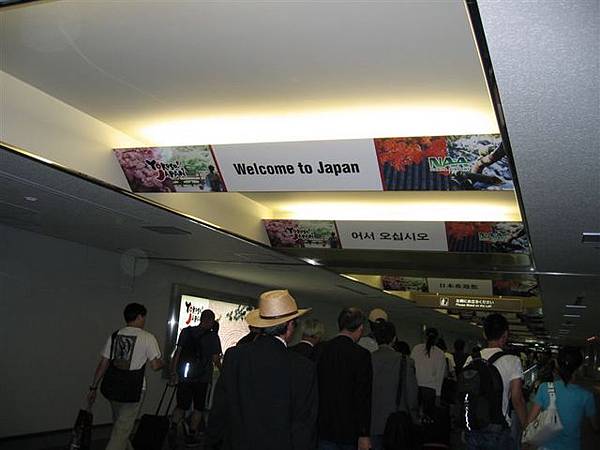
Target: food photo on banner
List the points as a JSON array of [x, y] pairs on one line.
[[487, 237], [170, 169], [524, 287], [444, 163], [302, 234]]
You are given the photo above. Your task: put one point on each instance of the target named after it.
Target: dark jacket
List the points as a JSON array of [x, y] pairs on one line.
[[265, 399], [345, 384], [305, 349]]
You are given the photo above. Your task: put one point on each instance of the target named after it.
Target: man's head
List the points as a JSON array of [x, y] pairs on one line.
[[351, 321], [276, 314], [495, 327], [459, 346], [312, 330], [385, 333], [135, 315], [211, 168], [207, 319]]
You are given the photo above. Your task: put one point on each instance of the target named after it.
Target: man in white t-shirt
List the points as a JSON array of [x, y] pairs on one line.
[[496, 332], [121, 369]]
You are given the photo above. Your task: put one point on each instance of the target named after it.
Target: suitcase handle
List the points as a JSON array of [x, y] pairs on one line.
[[162, 397]]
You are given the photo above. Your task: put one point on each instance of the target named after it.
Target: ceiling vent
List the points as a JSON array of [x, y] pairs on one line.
[[173, 231]]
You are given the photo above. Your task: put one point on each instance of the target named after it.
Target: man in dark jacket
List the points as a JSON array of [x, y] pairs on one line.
[[345, 384], [266, 396], [312, 333]]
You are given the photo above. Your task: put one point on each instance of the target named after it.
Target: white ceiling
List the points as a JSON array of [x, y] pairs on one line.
[[232, 68]]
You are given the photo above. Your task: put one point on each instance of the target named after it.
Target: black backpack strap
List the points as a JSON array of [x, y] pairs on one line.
[[113, 337], [496, 356]]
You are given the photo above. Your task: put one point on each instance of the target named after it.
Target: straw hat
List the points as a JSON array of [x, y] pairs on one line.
[[274, 308], [377, 314]]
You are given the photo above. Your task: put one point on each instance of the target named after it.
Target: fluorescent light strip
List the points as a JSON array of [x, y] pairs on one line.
[[576, 306], [576, 316]]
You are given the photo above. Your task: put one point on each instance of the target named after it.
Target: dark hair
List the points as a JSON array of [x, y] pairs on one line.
[[441, 344], [350, 319], [385, 333], [275, 330], [133, 310], [207, 315], [459, 345], [494, 326], [476, 352], [402, 347], [569, 359], [432, 336]]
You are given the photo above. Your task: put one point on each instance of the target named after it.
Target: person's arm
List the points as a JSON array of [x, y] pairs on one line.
[[153, 355], [98, 374], [535, 410], [157, 364], [217, 361], [516, 394], [173, 365]]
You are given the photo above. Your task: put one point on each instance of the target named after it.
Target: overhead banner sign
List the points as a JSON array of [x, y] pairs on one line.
[[442, 163], [393, 235], [515, 287], [412, 236], [300, 166], [473, 303]]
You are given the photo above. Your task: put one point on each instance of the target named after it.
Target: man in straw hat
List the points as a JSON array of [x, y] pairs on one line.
[[266, 396]]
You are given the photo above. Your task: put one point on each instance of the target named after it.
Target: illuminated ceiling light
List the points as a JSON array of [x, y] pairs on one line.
[[415, 209], [31, 199], [350, 277], [576, 316], [326, 123], [576, 306], [312, 262]]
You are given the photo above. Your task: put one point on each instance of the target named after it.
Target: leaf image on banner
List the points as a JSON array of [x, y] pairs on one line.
[[302, 234], [487, 237]]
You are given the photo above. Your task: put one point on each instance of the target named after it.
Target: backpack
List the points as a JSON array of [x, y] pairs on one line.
[[192, 364], [480, 394], [119, 383]]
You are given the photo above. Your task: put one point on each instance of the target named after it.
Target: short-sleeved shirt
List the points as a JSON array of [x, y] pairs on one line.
[[510, 368], [210, 343], [133, 347], [573, 404], [431, 369], [368, 343]]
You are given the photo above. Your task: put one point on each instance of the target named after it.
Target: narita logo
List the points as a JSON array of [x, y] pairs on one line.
[[448, 164]]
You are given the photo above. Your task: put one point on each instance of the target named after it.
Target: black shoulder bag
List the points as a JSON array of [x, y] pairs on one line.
[[398, 433], [122, 385]]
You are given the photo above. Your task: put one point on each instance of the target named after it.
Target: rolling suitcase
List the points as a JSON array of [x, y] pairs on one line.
[[153, 428]]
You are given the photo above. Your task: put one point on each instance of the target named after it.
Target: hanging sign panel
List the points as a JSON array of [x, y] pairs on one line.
[[349, 165], [460, 286], [171, 169], [413, 236], [302, 233], [475, 303], [441, 163], [480, 237]]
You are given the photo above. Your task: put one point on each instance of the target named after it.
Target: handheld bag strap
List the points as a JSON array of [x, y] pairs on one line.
[[496, 356], [113, 337], [551, 396]]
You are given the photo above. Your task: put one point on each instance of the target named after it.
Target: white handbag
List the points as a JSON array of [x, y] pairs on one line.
[[546, 425]]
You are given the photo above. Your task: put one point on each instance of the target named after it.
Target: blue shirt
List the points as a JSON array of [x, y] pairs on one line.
[[573, 404]]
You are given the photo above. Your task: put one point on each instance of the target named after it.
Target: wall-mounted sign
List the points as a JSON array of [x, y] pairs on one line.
[[460, 286], [442, 163], [415, 236], [393, 235], [475, 303]]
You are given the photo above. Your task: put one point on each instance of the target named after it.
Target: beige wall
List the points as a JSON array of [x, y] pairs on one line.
[[43, 125]]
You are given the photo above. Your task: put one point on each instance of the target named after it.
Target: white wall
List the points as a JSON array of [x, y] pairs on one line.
[[59, 301], [43, 125]]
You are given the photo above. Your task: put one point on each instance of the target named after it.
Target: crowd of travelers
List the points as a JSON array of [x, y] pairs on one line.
[[362, 389]]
